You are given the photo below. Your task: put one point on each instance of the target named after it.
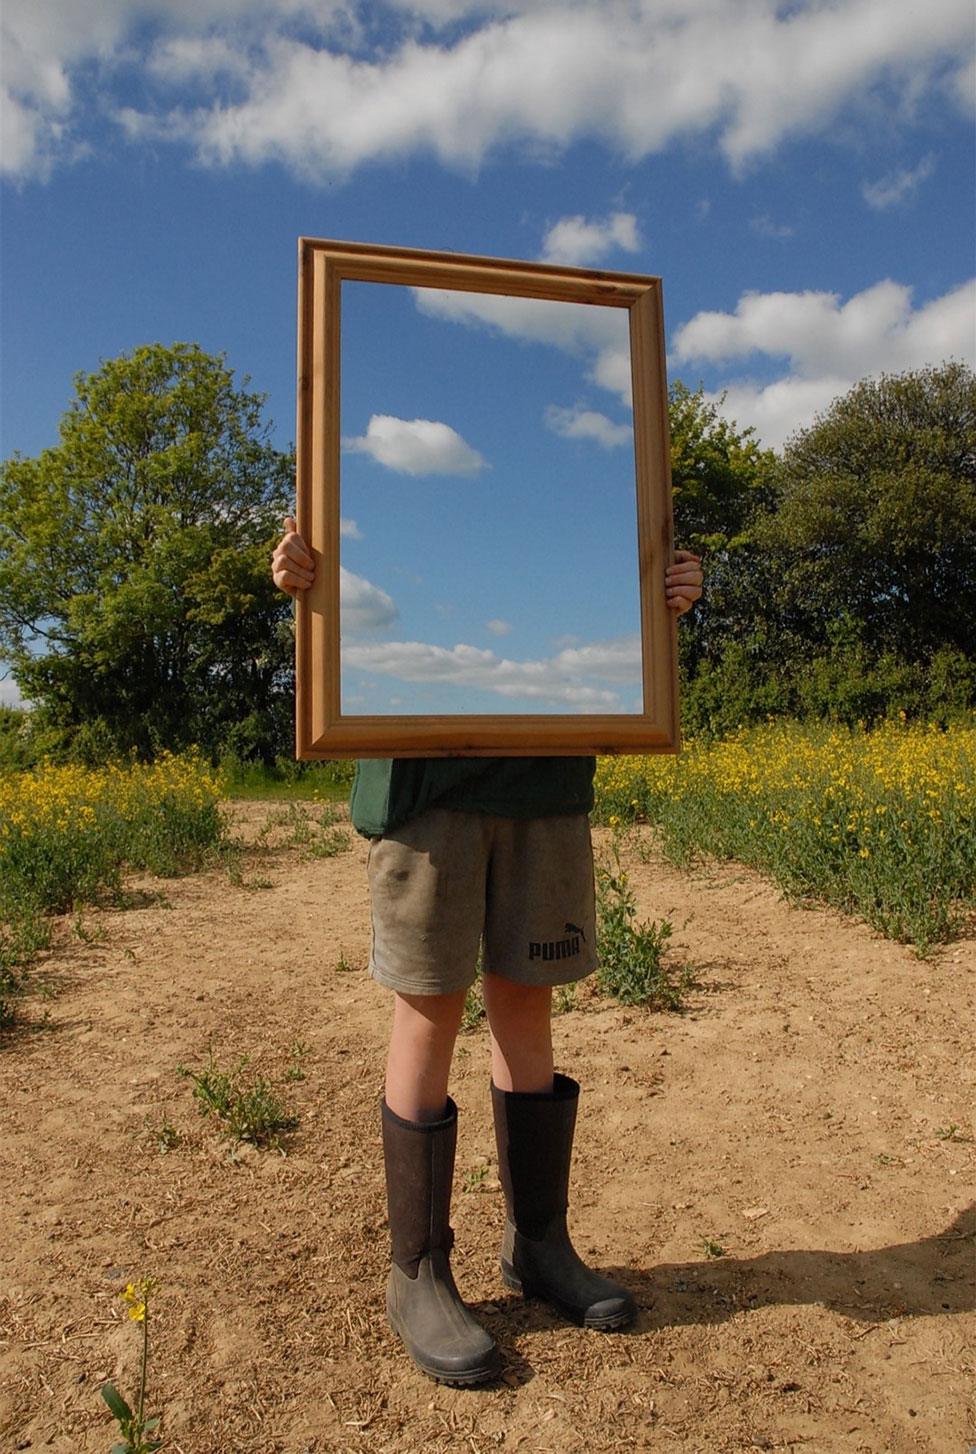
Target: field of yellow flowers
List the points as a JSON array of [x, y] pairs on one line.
[[881, 823], [68, 833]]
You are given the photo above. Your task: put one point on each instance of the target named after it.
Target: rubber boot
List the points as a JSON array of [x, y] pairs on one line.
[[422, 1301], [534, 1134]]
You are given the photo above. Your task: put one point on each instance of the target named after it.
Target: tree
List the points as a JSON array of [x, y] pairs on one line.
[[722, 481], [876, 523], [850, 591], [136, 554]]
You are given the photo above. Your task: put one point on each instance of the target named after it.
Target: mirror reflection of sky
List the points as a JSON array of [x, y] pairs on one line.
[[489, 549]]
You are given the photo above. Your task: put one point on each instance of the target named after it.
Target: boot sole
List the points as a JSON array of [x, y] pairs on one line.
[[485, 1373], [609, 1324]]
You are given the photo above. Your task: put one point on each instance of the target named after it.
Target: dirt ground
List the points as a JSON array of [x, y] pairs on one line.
[[774, 1174]]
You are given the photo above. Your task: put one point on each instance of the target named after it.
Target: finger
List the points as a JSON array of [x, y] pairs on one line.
[[288, 581], [685, 588], [690, 576], [290, 525], [293, 550], [683, 555], [690, 594], [684, 568], [296, 550], [282, 565]]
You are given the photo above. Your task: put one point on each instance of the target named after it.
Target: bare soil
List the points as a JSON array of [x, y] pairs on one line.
[[774, 1173]]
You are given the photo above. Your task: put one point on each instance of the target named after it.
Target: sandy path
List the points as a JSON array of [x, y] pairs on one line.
[[790, 1118]]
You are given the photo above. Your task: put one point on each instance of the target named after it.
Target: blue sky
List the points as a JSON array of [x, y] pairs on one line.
[[799, 174]]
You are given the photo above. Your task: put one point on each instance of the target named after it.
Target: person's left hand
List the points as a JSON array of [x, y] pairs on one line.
[[683, 581]]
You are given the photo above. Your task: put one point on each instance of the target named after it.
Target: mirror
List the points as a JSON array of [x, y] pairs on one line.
[[489, 514], [488, 535]]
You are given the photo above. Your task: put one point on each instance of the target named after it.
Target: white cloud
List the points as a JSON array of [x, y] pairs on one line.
[[363, 606], [828, 345], [302, 83], [580, 423], [897, 187], [962, 85], [586, 677], [498, 627], [600, 335], [416, 447], [576, 242], [764, 226], [349, 530]]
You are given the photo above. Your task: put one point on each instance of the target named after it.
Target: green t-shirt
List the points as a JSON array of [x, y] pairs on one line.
[[389, 790]]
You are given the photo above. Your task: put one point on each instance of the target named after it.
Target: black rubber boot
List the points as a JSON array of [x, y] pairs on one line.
[[422, 1301], [534, 1133]]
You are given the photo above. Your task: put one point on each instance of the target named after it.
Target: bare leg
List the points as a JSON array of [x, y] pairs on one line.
[[519, 1017], [421, 1047]]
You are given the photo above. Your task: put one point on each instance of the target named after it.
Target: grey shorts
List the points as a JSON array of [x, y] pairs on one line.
[[448, 880]]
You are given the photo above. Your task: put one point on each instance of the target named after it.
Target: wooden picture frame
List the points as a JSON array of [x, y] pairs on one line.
[[323, 730]]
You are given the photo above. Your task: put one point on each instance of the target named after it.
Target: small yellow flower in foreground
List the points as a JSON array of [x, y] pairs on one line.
[[136, 1296]]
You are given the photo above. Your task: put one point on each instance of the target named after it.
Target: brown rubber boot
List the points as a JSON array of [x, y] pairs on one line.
[[534, 1133], [422, 1302]]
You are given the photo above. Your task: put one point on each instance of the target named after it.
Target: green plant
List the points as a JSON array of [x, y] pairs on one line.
[[472, 1180], [248, 1111], [951, 1133], [564, 998], [320, 836], [138, 1432], [474, 1007], [299, 1052], [712, 1248], [631, 965], [168, 1137]]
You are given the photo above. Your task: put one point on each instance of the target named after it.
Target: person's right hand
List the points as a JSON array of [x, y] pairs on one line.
[[292, 566]]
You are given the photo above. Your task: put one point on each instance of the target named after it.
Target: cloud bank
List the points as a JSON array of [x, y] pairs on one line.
[[588, 677], [828, 346], [321, 89]]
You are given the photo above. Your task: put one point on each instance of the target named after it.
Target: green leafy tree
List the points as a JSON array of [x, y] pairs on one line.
[[876, 523], [136, 604], [853, 594], [722, 480]]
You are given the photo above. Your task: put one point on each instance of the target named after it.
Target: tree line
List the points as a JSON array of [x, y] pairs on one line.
[[137, 610]]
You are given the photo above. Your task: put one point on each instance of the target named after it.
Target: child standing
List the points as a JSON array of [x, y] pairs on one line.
[[464, 852]]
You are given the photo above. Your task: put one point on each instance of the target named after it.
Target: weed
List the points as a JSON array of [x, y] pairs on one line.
[[298, 1052], [138, 1432], [564, 998], [248, 1112], [321, 836], [952, 1133], [87, 936], [473, 1180], [631, 966], [167, 1136], [474, 1007], [343, 965], [712, 1248]]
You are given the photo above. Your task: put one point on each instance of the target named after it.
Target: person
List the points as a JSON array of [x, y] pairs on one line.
[[467, 853]]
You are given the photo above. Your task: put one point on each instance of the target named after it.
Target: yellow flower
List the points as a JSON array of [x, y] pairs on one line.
[[136, 1297]]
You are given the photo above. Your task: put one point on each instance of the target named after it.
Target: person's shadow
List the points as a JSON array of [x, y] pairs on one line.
[[929, 1278]]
